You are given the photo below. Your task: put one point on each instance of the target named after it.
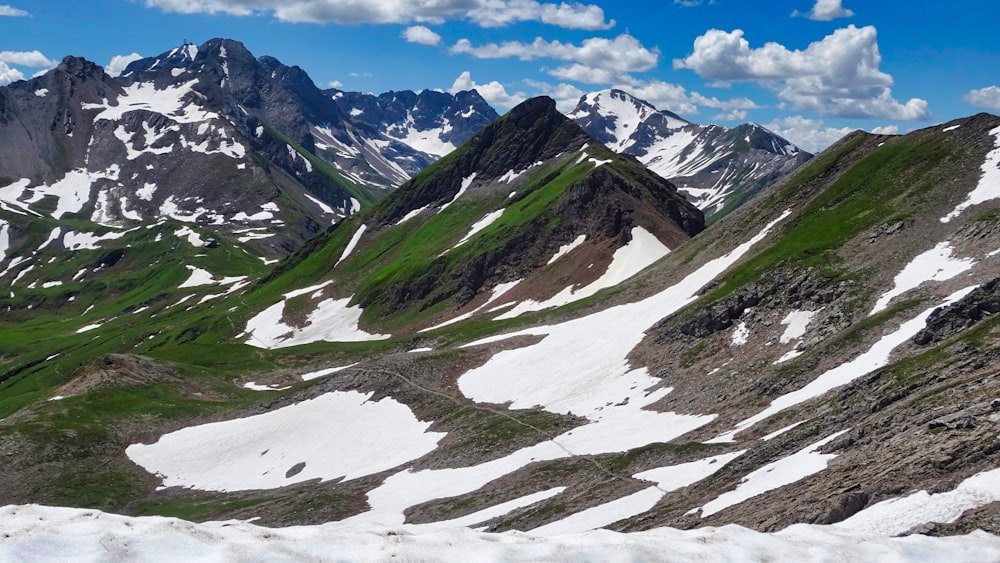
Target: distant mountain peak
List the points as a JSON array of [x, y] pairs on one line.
[[716, 167]]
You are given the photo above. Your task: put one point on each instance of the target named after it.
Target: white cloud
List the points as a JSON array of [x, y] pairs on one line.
[[486, 13], [117, 65], [8, 75], [988, 97], [837, 76], [813, 135], [566, 96], [493, 92], [886, 130], [34, 59], [810, 134], [732, 115], [826, 10], [335, 84], [7, 10], [596, 60], [422, 35], [663, 95]]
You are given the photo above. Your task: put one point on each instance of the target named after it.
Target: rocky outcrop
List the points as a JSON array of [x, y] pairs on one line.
[[950, 320]]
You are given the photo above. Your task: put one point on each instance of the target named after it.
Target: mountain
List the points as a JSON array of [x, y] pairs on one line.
[[717, 168], [487, 224], [212, 136], [534, 333], [409, 130]]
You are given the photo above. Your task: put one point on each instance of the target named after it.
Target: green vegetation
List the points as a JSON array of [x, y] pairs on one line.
[[862, 197]]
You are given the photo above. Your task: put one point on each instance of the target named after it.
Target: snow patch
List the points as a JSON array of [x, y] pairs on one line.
[[989, 184], [741, 334], [937, 264], [796, 323], [479, 225], [896, 516], [785, 471], [642, 251], [270, 450], [466, 183], [567, 248], [352, 243]]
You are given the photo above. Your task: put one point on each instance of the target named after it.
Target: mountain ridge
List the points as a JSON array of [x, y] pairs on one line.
[[534, 333], [716, 167]]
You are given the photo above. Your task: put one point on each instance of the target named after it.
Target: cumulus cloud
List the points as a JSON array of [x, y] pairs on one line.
[[8, 75], [7, 10], [837, 76], [493, 92], [732, 115], [34, 59], [422, 35], [826, 10], [486, 13], [988, 97], [676, 98], [595, 61], [335, 84], [810, 134], [566, 96], [117, 65], [886, 130], [814, 135]]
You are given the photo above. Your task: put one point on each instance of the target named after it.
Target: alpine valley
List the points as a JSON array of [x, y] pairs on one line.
[[235, 296]]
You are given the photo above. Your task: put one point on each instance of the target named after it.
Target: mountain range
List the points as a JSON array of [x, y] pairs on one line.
[[717, 168], [535, 331]]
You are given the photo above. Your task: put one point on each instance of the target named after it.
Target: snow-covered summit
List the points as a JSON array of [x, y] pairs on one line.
[[711, 164]]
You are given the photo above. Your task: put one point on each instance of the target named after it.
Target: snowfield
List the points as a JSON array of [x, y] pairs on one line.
[[61, 534], [349, 436]]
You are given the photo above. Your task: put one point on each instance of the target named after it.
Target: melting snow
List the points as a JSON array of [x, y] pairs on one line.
[[741, 334], [989, 185], [324, 372], [4, 239], [264, 451], [411, 215], [874, 358], [643, 250], [89, 327], [667, 479], [87, 241], [567, 248], [796, 323], [587, 374], [352, 243], [937, 264], [85, 534], [479, 225], [466, 183], [952, 128], [191, 235], [42, 92], [896, 516], [332, 320], [795, 467]]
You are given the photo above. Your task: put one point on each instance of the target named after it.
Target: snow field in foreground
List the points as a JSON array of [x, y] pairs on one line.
[[349, 436], [42, 533]]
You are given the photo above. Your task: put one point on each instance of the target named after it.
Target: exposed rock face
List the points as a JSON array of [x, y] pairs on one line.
[[950, 320]]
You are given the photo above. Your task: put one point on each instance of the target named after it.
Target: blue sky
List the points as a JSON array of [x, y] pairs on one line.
[[809, 69]]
